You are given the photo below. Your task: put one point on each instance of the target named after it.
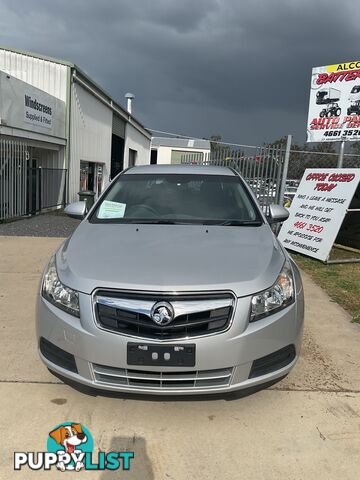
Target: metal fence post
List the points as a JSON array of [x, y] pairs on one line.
[[65, 188], [341, 155], [40, 189], [285, 169]]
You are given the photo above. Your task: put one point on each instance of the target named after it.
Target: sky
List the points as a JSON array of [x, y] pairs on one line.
[[236, 68]]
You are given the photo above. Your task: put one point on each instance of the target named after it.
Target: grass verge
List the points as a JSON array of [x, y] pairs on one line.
[[340, 281]]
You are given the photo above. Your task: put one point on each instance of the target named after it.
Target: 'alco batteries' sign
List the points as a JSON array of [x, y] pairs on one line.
[[334, 106]]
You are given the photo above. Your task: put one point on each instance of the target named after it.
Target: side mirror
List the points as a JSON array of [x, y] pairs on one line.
[[278, 213], [76, 210]]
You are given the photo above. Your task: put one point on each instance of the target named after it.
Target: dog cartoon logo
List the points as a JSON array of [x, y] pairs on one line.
[[72, 439], [70, 446]]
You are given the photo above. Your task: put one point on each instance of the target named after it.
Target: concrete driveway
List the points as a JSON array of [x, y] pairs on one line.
[[305, 427]]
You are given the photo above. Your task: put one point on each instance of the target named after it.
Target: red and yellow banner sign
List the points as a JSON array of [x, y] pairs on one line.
[[334, 106]]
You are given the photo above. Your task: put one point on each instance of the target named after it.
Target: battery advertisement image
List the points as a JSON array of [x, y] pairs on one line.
[[334, 106]]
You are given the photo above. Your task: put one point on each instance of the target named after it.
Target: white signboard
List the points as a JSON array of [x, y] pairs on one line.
[[38, 110], [318, 209], [334, 106], [29, 108]]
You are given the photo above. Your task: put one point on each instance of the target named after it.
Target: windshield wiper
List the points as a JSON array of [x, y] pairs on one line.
[[235, 223], [155, 222], [241, 223]]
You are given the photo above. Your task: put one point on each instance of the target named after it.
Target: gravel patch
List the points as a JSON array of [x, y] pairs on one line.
[[45, 225]]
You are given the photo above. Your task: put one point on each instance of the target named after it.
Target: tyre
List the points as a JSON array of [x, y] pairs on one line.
[[338, 112], [322, 114]]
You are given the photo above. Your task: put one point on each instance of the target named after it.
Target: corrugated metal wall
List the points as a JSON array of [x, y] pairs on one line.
[[91, 121], [46, 75], [90, 136], [118, 126], [136, 141]]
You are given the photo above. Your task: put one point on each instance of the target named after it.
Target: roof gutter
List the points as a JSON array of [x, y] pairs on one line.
[[109, 103]]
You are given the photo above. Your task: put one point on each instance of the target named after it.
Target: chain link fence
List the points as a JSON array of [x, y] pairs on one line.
[[261, 167], [264, 169], [300, 160]]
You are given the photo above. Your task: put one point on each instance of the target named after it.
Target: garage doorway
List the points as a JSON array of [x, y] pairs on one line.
[[132, 157], [91, 177]]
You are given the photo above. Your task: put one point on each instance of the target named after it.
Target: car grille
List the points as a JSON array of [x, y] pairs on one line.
[[194, 315], [123, 377]]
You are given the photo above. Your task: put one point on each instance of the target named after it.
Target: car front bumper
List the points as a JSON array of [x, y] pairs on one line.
[[244, 356]]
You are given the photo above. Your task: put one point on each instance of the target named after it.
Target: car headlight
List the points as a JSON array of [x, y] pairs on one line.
[[58, 294], [279, 296]]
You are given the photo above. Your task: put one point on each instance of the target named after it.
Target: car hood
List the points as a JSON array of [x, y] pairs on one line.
[[167, 258]]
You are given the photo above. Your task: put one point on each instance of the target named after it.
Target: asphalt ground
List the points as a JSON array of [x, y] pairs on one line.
[[44, 225], [305, 427]]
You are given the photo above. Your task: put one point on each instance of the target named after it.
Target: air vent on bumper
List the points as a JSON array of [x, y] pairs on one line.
[[275, 361]]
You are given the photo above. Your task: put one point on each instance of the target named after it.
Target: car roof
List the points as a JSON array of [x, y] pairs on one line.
[[180, 169]]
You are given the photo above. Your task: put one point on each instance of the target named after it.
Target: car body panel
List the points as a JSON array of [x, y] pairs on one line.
[[245, 260], [176, 260], [236, 348], [180, 169]]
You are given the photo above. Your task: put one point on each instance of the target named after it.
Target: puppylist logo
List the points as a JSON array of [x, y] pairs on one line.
[[70, 447]]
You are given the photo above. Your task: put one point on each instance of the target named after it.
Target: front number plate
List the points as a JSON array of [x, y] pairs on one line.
[[162, 355]]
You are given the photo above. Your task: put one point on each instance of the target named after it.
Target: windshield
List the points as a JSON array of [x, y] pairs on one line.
[[177, 199]]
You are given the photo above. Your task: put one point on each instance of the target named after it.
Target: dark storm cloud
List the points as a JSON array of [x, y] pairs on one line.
[[238, 68]]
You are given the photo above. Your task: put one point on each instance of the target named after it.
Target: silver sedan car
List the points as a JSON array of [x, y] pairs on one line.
[[173, 283]]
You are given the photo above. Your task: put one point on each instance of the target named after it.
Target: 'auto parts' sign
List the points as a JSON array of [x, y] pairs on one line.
[[318, 210], [334, 106]]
